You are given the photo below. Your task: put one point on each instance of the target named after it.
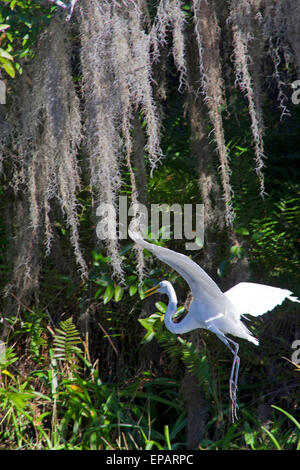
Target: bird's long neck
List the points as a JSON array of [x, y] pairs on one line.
[[188, 323], [171, 309]]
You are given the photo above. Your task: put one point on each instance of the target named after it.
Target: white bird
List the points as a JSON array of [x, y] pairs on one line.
[[212, 309]]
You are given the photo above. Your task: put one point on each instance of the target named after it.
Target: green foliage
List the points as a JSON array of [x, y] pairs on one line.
[[6, 60], [235, 251], [31, 326], [20, 24], [7, 357], [269, 227], [109, 290], [54, 396], [70, 407], [275, 236]]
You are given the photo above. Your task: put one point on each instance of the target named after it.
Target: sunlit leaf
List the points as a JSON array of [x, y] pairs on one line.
[[119, 291], [8, 67], [132, 290], [161, 307], [108, 294]]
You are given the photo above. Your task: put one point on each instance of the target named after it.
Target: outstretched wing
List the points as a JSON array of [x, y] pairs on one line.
[[257, 299], [198, 280]]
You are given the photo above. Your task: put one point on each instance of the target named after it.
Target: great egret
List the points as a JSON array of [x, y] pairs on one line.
[[212, 309]]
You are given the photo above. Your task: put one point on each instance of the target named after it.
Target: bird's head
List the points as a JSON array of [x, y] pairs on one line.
[[164, 287]]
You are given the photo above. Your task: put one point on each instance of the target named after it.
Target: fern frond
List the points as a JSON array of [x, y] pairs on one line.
[[65, 339], [197, 364]]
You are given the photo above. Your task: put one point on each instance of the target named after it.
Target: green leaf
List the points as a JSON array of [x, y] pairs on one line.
[[131, 279], [234, 250], [149, 321], [8, 67], [3, 27], [99, 292], [167, 437], [109, 292], [132, 290], [248, 436], [288, 415], [161, 307], [119, 291], [104, 281], [242, 231], [272, 437], [141, 292], [179, 311], [5, 54], [238, 251], [18, 68], [257, 236], [148, 337]]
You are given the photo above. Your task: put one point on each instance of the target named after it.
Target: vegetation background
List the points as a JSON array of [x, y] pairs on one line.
[[165, 102]]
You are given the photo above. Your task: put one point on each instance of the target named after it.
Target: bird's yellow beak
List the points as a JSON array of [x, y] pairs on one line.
[[151, 291]]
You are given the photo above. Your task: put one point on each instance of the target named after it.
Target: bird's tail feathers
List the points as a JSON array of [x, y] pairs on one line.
[[247, 334], [253, 340]]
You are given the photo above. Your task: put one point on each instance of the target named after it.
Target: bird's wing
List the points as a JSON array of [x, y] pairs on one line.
[[257, 299], [195, 276]]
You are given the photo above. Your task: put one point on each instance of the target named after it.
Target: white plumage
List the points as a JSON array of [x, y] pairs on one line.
[[212, 309], [257, 299]]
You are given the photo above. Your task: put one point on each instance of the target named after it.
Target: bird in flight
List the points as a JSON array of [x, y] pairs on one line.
[[212, 309]]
